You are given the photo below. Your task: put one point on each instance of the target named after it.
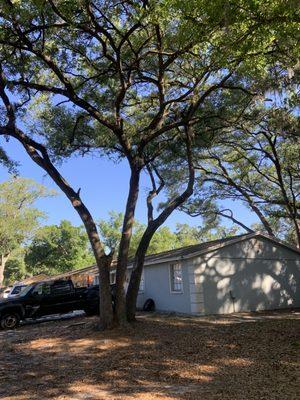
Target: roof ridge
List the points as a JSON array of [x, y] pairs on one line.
[[214, 241]]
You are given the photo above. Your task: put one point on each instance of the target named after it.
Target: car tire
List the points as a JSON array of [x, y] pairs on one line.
[[149, 305], [10, 321], [90, 312]]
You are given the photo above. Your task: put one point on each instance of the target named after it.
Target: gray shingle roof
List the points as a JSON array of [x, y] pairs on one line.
[[189, 250]]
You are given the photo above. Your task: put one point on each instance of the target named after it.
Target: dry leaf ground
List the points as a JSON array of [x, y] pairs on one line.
[[241, 356]]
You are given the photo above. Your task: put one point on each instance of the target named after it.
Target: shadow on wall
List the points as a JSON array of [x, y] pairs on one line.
[[232, 282]]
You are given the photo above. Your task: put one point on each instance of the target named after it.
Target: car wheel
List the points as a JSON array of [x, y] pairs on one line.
[[89, 312], [149, 305], [10, 321]]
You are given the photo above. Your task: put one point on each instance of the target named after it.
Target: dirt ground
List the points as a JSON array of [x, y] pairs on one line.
[[242, 356]]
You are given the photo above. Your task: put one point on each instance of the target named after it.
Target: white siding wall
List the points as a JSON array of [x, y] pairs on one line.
[[196, 290], [157, 287], [248, 276]]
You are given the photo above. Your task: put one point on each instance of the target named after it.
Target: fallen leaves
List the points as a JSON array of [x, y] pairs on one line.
[[160, 358]]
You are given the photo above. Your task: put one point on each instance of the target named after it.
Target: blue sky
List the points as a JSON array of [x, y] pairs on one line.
[[104, 187]]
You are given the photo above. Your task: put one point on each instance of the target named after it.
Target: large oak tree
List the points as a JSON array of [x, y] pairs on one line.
[[127, 79]]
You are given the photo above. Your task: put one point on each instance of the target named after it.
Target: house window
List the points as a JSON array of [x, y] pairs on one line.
[[142, 283], [176, 278], [112, 278]]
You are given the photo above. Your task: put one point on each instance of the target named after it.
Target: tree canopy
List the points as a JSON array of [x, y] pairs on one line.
[[58, 248], [130, 80], [254, 159], [15, 268], [164, 238], [19, 218]]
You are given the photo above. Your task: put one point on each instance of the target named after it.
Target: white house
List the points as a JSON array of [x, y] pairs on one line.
[[243, 273]]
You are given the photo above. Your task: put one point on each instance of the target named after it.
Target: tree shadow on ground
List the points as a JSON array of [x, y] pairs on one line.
[[160, 357]]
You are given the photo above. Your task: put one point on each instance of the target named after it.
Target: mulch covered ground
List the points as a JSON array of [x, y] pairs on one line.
[[249, 356]]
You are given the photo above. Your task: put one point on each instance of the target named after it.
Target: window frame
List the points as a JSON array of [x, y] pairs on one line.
[[172, 277]]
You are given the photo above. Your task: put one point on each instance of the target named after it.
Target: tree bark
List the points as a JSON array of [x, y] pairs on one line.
[[297, 230], [3, 260], [120, 310], [103, 263], [262, 218], [105, 299], [137, 270]]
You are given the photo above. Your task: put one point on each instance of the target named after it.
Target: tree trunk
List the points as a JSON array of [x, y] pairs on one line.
[[3, 260], [297, 230], [153, 225], [103, 262], [105, 301], [39, 155], [120, 310], [137, 270], [262, 218]]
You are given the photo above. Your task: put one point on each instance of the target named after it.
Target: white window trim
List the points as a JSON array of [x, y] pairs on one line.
[[170, 278]]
